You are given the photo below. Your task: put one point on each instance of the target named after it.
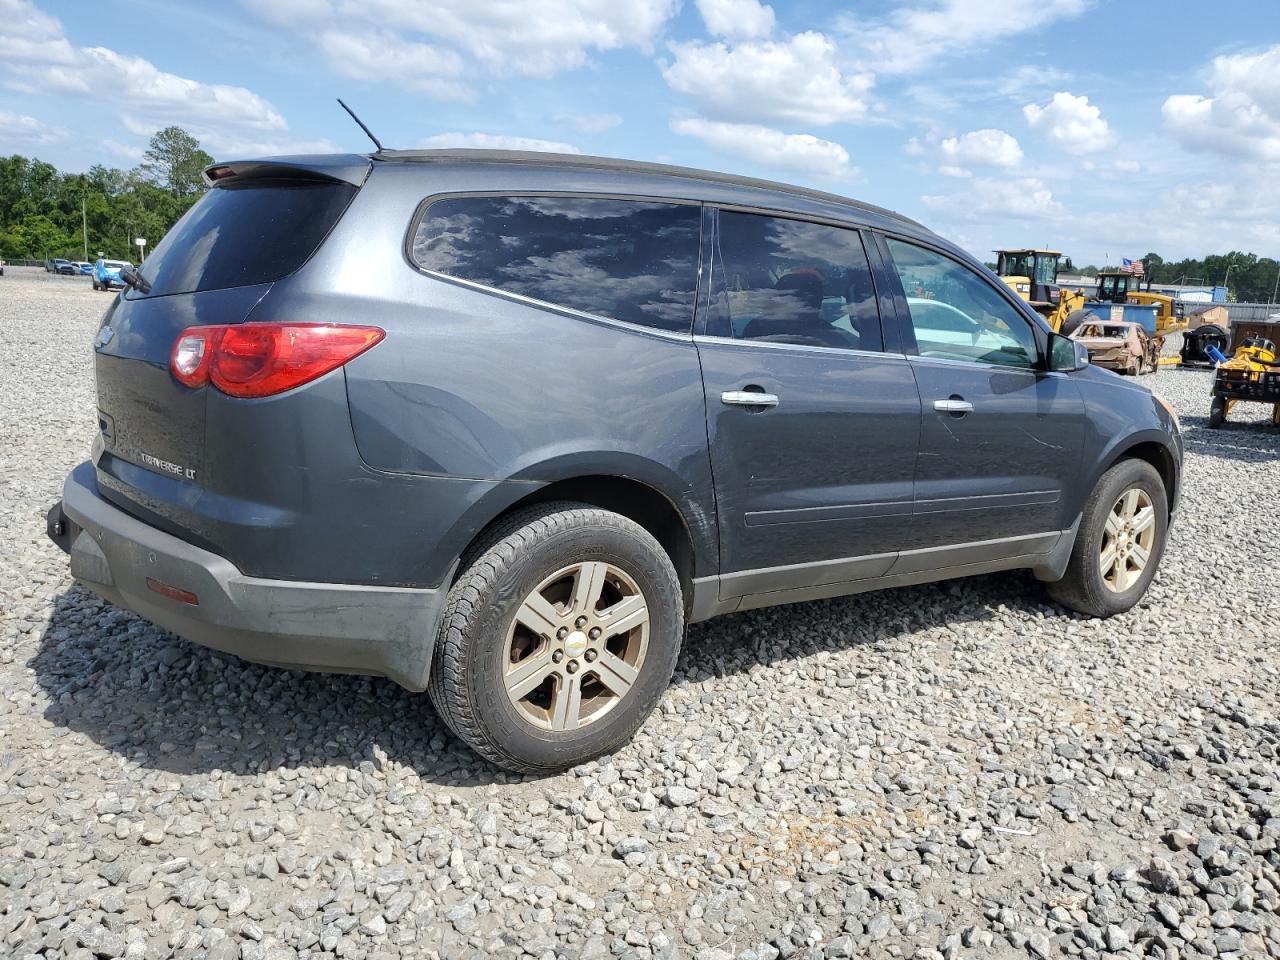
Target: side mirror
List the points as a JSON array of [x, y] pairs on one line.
[[1066, 355]]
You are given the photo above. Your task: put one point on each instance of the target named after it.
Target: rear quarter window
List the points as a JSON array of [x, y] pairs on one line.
[[240, 234], [630, 260]]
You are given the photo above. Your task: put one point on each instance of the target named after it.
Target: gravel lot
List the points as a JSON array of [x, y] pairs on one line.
[[958, 770]]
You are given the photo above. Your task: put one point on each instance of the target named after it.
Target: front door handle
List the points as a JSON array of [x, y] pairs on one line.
[[749, 398], [953, 405]]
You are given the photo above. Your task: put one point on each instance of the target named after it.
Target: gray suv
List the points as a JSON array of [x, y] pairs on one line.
[[498, 426]]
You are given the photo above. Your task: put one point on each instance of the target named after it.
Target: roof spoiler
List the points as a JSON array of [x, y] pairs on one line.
[[339, 168]]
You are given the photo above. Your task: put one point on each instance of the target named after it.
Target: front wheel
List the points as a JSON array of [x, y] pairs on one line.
[[1119, 543], [558, 638]]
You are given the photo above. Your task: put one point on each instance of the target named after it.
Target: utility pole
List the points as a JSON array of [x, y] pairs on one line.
[[84, 225], [1276, 288]]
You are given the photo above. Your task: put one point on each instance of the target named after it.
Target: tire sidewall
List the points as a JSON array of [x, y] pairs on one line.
[[1122, 477], [502, 721]]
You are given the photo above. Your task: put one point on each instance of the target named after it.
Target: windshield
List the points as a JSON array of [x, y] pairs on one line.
[[1046, 269], [240, 234]]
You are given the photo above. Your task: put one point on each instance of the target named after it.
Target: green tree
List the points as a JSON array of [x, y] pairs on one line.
[[175, 161], [36, 237]]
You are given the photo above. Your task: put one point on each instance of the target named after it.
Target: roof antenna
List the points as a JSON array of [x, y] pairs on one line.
[[367, 132]]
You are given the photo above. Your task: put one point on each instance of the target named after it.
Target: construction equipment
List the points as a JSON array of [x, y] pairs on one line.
[[1252, 374], [1031, 274]]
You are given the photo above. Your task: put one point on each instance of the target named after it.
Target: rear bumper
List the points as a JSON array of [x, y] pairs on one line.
[[338, 628]]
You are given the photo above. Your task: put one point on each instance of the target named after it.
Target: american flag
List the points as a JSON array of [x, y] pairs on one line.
[[1133, 266]]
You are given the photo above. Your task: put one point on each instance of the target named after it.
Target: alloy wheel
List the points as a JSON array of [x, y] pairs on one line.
[[576, 646], [1127, 540]]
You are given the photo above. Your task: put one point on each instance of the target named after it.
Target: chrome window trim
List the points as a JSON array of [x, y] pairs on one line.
[[983, 365], [712, 339]]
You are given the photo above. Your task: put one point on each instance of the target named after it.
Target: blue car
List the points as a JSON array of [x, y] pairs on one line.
[[86, 269], [106, 274]]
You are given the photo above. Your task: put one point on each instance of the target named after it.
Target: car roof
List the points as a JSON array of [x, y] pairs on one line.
[[354, 168], [620, 166]]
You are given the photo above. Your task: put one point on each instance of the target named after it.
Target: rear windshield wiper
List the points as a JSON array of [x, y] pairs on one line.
[[134, 279]]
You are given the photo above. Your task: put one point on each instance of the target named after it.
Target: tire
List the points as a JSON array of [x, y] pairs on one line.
[[480, 638], [1217, 412], [95, 284], [1083, 588]]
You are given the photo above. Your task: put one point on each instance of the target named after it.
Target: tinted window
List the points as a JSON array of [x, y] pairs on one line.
[[629, 260], [787, 281], [241, 234], [956, 314]]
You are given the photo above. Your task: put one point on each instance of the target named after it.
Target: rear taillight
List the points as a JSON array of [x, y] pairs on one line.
[[262, 359]]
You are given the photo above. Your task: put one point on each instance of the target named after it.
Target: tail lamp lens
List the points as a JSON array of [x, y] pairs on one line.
[[263, 359]]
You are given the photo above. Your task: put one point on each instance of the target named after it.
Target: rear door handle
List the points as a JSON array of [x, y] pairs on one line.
[[953, 406], [749, 398]]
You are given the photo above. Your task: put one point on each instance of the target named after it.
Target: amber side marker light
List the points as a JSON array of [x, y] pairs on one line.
[[172, 592]]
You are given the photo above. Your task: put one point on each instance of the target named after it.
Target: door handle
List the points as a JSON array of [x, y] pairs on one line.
[[954, 405], [749, 398]]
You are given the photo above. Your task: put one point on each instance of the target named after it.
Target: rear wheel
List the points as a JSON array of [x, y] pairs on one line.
[[558, 638], [1217, 412], [1119, 543]]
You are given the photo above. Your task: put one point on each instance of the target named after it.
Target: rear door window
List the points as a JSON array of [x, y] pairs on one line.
[[240, 234], [630, 260], [789, 281]]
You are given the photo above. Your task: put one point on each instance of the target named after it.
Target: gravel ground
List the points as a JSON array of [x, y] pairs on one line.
[[958, 770]]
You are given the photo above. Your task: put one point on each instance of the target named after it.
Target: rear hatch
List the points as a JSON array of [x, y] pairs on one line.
[[259, 222]]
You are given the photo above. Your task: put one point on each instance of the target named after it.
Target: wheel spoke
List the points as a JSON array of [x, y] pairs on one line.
[[527, 675], [567, 705], [627, 614], [1114, 523], [539, 615], [615, 673], [588, 583], [1130, 503], [1107, 561], [1140, 556], [1145, 518]]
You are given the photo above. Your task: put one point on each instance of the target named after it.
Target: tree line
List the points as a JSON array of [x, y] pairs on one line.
[[46, 213]]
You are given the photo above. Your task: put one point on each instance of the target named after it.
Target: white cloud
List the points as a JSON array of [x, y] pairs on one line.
[[797, 80], [1071, 123], [535, 38], [982, 148], [796, 152], [39, 57], [1022, 199], [1242, 114], [376, 55], [19, 128], [590, 122], [490, 141], [736, 19], [915, 38]]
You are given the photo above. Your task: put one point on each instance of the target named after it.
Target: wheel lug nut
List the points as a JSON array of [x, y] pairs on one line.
[[590, 656], [573, 666], [580, 622], [562, 633], [595, 633], [557, 656]]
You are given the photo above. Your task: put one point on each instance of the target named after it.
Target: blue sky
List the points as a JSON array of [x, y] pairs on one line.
[[1107, 129]]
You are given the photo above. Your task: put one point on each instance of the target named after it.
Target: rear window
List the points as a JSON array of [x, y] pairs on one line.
[[245, 233], [631, 260]]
